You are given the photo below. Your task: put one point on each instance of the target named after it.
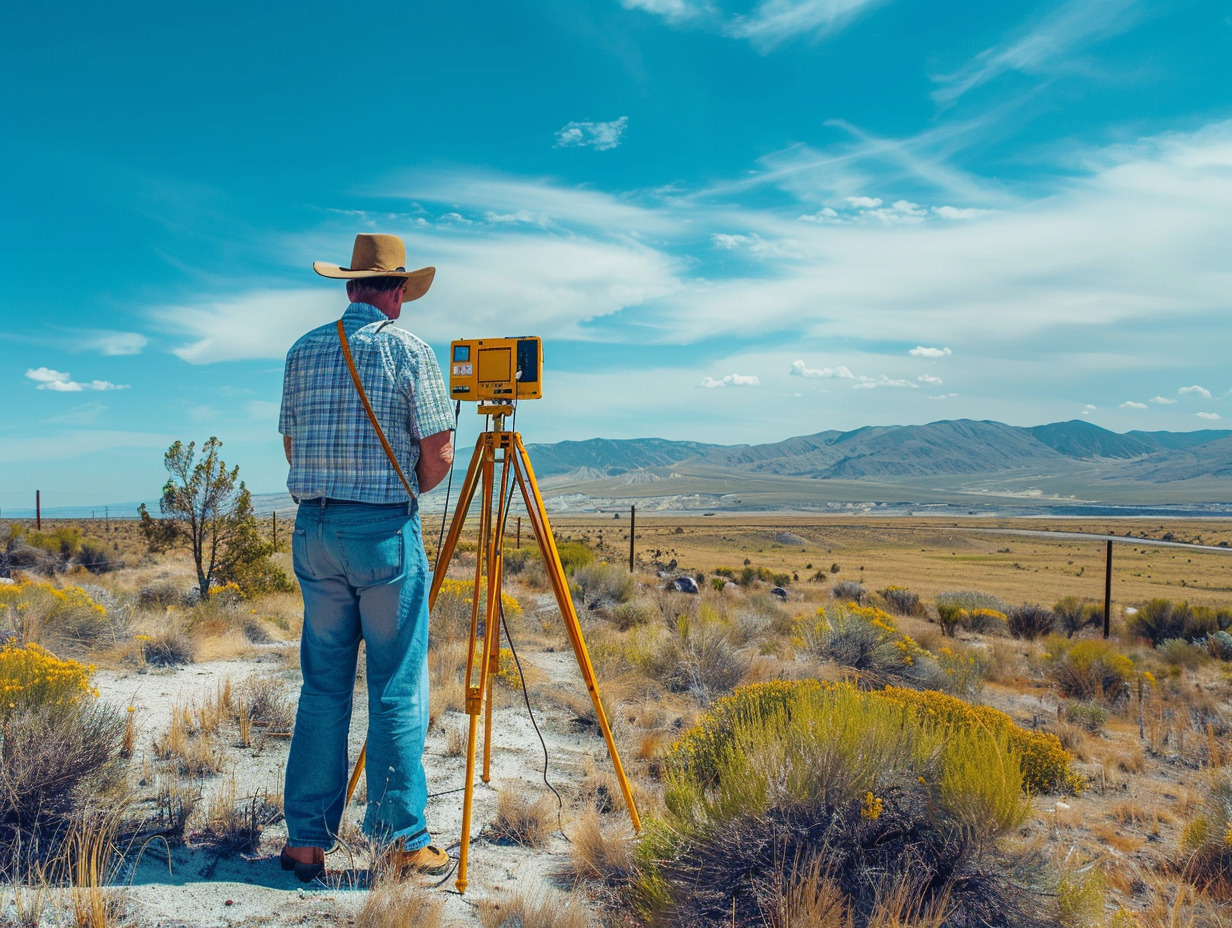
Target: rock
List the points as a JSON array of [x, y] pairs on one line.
[[685, 585]]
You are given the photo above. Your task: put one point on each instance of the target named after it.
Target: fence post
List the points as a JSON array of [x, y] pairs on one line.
[[632, 533], [38, 510]]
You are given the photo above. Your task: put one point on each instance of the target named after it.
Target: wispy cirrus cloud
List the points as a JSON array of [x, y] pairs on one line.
[[773, 22], [601, 136], [62, 382], [672, 10], [731, 380], [116, 344], [1046, 44]]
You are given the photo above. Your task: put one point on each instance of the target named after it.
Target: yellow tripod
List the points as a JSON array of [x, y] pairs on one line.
[[494, 447]]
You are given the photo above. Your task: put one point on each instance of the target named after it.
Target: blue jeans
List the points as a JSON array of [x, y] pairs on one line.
[[363, 573]]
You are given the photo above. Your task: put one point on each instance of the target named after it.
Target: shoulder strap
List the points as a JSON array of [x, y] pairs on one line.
[[346, 353]]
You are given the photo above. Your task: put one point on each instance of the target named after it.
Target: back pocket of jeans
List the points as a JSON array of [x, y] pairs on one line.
[[372, 557]]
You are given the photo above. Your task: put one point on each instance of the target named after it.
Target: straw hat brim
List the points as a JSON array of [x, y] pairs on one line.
[[417, 282]]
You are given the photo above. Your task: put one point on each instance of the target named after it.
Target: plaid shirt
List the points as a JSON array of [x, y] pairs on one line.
[[335, 452]]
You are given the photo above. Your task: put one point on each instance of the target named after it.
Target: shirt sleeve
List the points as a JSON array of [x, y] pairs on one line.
[[286, 416], [430, 409]]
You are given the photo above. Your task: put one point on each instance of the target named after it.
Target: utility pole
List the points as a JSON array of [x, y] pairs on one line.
[[38, 510], [1108, 592], [519, 542], [275, 518]]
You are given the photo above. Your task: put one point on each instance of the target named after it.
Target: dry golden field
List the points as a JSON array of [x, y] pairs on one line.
[[930, 556]]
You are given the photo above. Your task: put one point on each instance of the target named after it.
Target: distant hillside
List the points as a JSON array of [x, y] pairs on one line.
[[946, 459], [1078, 439], [609, 457], [1212, 459], [1160, 441]]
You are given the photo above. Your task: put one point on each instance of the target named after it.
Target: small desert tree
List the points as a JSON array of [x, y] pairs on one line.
[[206, 510]]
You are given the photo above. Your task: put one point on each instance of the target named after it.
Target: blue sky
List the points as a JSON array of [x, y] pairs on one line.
[[730, 222]]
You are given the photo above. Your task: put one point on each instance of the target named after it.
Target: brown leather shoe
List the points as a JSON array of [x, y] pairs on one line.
[[429, 859], [307, 862]]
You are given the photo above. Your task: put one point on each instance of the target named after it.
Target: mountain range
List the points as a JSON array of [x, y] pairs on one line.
[[952, 461]]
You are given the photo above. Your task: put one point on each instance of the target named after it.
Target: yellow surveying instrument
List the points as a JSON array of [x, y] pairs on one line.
[[496, 448]]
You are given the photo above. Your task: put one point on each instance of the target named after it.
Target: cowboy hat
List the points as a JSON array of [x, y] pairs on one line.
[[380, 256]]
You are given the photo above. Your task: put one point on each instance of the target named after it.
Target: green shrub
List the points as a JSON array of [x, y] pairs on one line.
[[1159, 620], [573, 554], [602, 584], [782, 777], [900, 600], [1180, 653], [1207, 841], [1090, 669], [1075, 615], [95, 557], [865, 639], [848, 591], [1030, 621], [1086, 715], [1219, 644]]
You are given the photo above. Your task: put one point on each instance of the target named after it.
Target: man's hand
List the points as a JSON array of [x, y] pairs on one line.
[[286, 446], [435, 459]]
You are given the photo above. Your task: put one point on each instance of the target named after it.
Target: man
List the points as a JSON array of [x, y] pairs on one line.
[[360, 560]]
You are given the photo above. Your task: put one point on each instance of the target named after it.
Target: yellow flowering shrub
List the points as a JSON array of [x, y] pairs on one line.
[[1089, 669], [32, 610], [861, 778], [1045, 764], [463, 591], [31, 676]]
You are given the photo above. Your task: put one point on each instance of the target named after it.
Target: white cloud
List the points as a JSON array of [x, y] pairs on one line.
[[1130, 404], [864, 202], [921, 352], [1163, 400], [61, 382], [930, 379], [755, 245], [773, 22], [1212, 416], [601, 136], [731, 380], [798, 369], [1195, 390], [953, 212], [1048, 44], [671, 10], [116, 344], [1088, 409], [943, 396], [872, 383]]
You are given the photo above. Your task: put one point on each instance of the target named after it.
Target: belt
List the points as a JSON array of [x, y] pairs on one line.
[[324, 501]]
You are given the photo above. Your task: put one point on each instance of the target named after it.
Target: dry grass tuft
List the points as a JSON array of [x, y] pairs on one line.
[[544, 909], [522, 819], [392, 904], [598, 854]]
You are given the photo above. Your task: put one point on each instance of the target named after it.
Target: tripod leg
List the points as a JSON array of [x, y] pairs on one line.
[[465, 495], [474, 692], [556, 573]]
